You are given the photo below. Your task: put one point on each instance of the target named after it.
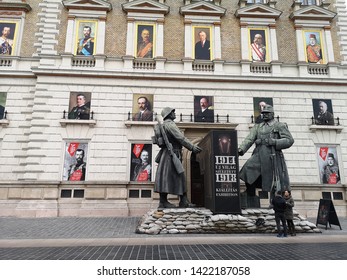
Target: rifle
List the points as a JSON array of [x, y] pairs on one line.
[[176, 162]]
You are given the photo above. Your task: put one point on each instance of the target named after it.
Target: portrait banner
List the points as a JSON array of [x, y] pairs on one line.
[[328, 165], [202, 42], [258, 105], [258, 45], [79, 105], [141, 162], [3, 96], [86, 37], [203, 109], [323, 112], [145, 38], [142, 107], [314, 51], [75, 161], [8, 37]]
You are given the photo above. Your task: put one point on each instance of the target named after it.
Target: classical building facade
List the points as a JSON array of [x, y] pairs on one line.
[[75, 74]]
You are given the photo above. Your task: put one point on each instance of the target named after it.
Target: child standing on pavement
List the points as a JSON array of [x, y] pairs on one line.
[[279, 206], [288, 213]]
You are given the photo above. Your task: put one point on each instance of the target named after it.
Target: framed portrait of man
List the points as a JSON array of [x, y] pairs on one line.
[[141, 162], [2, 104], [202, 42], [258, 45], [203, 109], [86, 37], [328, 165], [323, 112], [8, 37], [145, 41], [258, 105], [79, 105], [75, 161], [142, 107], [314, 51]]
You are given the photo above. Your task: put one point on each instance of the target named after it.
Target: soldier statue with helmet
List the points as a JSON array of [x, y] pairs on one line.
[[170, 177], [266, 168]]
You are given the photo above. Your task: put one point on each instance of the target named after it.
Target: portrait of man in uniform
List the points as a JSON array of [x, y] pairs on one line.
[[79, 106], [145, 41], [86, 34], [323, 112], [202, 43], [75, 162], [313, 47], [328, 165], [258, 105], [2, 104], [7, 37], [141, 162], [257, 47]]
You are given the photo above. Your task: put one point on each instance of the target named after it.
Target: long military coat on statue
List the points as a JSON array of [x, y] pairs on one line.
[[167, 180], [261, 163]]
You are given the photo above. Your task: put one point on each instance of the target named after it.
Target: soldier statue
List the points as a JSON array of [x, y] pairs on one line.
[[170, 177], [266, 168]]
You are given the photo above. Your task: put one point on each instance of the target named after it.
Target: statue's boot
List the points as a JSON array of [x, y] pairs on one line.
[[184, 202], [164, 203]]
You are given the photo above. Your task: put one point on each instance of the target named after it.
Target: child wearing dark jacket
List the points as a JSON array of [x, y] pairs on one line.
[[288, 213], [279, 206]]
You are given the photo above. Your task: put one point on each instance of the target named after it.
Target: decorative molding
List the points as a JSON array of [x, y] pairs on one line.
[[312, 13], [64, 122], [129, 124], [202, 9], [4, 122], [15, 6], [91, 5], [146, 6], [315, 127], [258, 11]]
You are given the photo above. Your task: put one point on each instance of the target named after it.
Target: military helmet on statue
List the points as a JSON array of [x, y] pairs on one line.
[[267, 109], [166, 111]]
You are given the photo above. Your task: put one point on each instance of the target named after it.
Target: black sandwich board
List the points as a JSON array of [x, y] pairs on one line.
[[327, 214]]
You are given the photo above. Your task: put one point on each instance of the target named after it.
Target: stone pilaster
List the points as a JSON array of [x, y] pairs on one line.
[[342, 25]]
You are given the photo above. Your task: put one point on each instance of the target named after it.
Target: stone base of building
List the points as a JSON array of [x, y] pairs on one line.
[[121, 199], [201, 220]]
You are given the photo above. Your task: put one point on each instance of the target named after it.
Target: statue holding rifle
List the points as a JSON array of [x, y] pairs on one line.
[[170, 177], [266, 168]]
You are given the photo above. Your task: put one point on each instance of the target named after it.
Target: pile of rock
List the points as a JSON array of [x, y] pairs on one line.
[[201, 220]]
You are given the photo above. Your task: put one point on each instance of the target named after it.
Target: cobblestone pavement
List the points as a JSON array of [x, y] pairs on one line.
[[115, 239]]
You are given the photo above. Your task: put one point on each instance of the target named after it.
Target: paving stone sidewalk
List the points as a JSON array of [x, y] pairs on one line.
[[115, 239]]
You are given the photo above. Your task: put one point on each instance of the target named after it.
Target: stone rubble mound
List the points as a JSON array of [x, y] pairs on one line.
[[202, 220]]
